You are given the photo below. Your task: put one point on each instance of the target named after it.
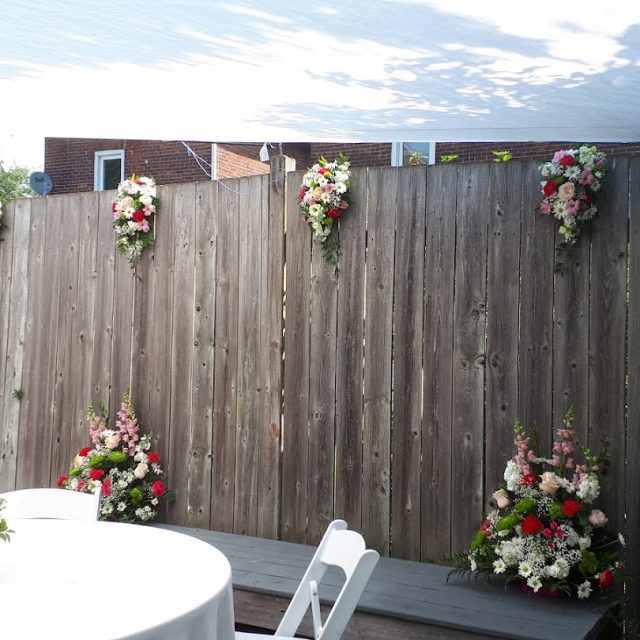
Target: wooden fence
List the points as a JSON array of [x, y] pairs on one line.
[[282, 395]]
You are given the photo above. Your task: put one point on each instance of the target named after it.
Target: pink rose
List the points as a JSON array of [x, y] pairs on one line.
[[597, 518], [502, 498], [571, 207], [586, 177], [566, 191]]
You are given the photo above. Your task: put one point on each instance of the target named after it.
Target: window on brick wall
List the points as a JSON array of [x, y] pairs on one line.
[[404, 153], [108, 169]]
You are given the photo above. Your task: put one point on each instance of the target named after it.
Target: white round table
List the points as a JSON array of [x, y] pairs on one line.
[[61, 579]]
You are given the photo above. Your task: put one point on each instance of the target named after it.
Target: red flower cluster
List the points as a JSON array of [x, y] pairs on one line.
[[154, 458], [158, 488], [531, 525], [571, 507]]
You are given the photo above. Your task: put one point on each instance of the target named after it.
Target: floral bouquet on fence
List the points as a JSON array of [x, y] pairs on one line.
[[324, 196], [571, 182], [121, 462], [543, 530], [4, 527], [133, 213]]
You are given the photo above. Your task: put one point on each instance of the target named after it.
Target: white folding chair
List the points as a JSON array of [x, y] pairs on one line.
[[59, 504], [339, 547]]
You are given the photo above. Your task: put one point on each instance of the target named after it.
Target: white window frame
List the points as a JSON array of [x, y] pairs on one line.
[[214, 161], [397, 152], [98, 166]]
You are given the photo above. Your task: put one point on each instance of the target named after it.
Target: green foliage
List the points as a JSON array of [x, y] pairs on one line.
[[14, 183], [526, 505], [502, 156], [449, 158]]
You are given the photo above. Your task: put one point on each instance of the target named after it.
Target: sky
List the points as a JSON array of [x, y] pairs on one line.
[[284, 71]]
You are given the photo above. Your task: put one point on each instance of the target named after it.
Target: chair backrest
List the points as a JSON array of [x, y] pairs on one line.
[[342, 548], [60, 504]]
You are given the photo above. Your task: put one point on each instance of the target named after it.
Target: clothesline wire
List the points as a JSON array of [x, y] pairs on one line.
[[200, 161]]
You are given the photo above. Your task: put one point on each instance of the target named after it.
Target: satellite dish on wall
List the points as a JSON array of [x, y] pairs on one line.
[[41, 183]]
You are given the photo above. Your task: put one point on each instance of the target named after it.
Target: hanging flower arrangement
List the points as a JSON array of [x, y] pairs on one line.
[[543, 530], [133, 211], [4, 527], [324, 197], [571, 181], [121, 462]]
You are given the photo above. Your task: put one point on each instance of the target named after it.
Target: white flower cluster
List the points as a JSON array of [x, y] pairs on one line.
[[132, 211], [322, 194], [589, 488], [512, 475], [572, 178]]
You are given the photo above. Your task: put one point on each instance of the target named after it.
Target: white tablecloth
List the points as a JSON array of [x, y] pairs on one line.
[[102, 580]]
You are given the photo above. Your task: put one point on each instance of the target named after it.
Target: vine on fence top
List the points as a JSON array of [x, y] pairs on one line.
[[542, 529], [133, 216], [572, 179], [324, 196], [121, 463]]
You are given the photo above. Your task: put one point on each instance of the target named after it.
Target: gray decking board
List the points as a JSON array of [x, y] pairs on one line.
[[409, 590]]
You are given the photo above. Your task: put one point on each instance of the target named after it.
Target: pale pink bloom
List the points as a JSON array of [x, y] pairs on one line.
[[586, 177], [597, 518], [502, 498], [570, 464], [567, 448], [149, 209], [555, 461], [549, 483], [566, 191], [531, 456], [545, 207], [143, 226], [558, 155], [571, 207]]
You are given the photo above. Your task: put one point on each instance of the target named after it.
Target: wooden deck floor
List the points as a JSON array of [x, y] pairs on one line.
[[403, 599]]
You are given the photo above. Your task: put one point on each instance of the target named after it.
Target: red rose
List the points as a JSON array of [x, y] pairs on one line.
[[588, 199], [84, 452], [158, 489], [138, 215], [333, 213], [303, 193], [531, 525], [62, 480], [530, 478], [153, 457], [570, 508], [549, 188], [566, 161], [96, 474], [606, 579]]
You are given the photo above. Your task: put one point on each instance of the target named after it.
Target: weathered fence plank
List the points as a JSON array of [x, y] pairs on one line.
[[632, 486], [201, 428], [297, 363], [251, 217], [183, 217], [407, 363], [376, 454], [503, 284], [437, 493], [607, 332], [349, 347], [469, 353], [13, 297], [535, 363], [226, 359]]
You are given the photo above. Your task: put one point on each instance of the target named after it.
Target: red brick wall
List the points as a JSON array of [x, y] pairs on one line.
[[482, 151], [362, 154], [236, 160]]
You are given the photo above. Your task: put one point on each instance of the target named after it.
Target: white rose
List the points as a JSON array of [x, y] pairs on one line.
[[112, 441], [141, 471]]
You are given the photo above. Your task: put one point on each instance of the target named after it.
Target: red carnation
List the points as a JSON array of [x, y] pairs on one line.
[[530, 478], [588, 199], [158, 489], [549, 188], [84, 452], [303, 193], [153, 457], [566, 161], [606, 579], [547, 533], [62, 480], [113, 207], [570, 508], [106, 487], [531, 525], [96, 474], [333, 213], [138, 215]]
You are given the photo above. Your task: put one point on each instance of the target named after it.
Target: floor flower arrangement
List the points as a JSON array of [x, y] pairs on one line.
[[121, 462], [133, 212], [4, 527], [571, 181], [543, 529], [324, 197]]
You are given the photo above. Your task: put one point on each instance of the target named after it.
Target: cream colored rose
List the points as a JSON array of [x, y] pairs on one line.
[[502, 498], [566, 191], [141, 470], [597, 518], [78, 460], [550, 483], [112, 441]]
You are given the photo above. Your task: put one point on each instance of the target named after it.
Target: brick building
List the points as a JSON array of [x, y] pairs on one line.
[[83, 164]]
